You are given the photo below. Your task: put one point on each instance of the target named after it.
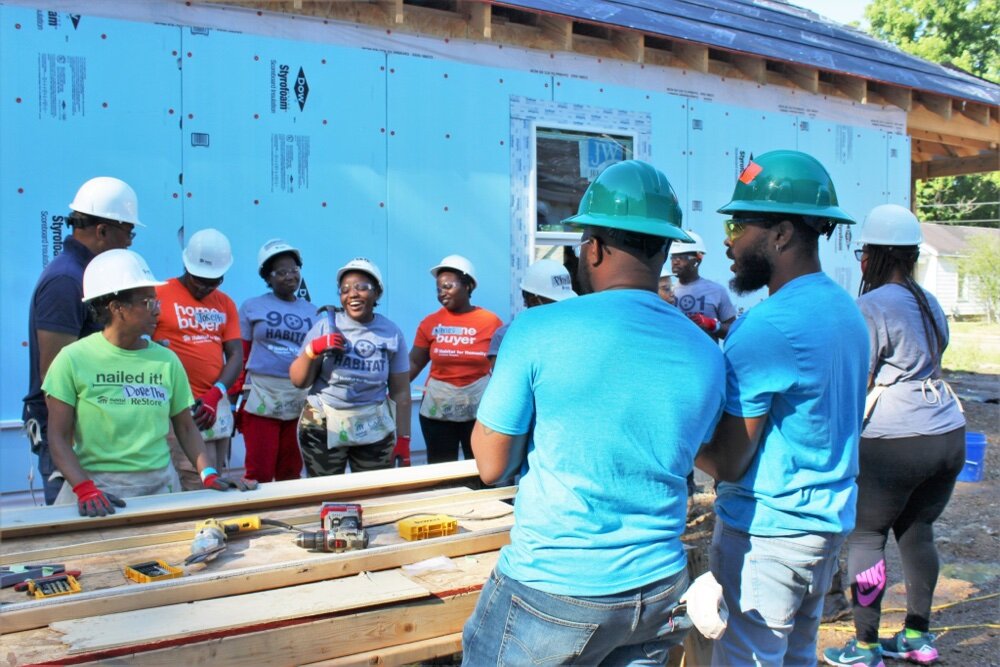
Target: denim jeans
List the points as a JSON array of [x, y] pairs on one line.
[[774, 587], [514, 624]]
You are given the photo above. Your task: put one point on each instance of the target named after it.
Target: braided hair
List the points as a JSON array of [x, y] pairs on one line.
[[883, 262]]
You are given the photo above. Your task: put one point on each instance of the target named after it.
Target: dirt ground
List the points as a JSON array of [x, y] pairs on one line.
[[967, 600]]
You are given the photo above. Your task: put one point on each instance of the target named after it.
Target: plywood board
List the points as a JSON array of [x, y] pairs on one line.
[[200, 504], [209, 616]]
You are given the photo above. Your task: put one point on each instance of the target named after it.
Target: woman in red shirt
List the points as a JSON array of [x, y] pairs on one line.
[[454, 340]]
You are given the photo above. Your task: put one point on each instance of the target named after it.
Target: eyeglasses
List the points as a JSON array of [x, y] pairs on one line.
[[736, 228], [121, 226], [446, 286], [206, 283], [859, 253], [152, 303], [284, 273], [363, 288]]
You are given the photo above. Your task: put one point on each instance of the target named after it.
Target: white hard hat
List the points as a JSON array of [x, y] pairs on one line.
[[679, 247], [275, 247], [365, 265], [548, 278], [115, 271], [891, 224], [456, 263], [107, 197], [208, 254], [666, 271]]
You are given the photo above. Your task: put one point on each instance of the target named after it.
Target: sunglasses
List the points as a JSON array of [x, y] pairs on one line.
[[736, 228], [129, 231], [363, 288]]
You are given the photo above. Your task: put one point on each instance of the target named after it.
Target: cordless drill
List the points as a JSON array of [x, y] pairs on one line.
[[342, 530]]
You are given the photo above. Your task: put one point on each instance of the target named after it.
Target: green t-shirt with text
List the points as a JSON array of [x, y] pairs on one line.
[[123, 399]]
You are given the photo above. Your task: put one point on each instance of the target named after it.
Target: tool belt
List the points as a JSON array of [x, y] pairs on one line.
[[447, 402], [274, 397], [366, 425]]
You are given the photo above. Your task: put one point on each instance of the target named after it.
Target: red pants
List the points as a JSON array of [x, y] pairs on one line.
[[272, 448]]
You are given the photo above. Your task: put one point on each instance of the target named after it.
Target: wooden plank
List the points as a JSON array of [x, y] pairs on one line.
[[300, 643], [82, 543], [753, 68], [393, 10], [558, 32], [956, 166], [201, 504], [144, 626], [977, 112], [958, 125], [937, 104], [36, 614], [695, 56], [806, 78], [630, 44], [480, 19], [853, 87], [951, 140], [404, 654]]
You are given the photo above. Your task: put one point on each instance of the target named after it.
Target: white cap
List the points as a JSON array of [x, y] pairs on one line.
[[891, 224], [116, 271], [109, 198], [548, 278], [364, 265], [679, 247], [456, 263], [208, 254], [275, 247]]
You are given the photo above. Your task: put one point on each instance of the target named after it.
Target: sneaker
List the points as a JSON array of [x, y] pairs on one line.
[[916, 649], [852, 654]]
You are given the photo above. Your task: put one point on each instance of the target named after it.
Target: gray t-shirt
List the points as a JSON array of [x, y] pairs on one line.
[[914, 401], [360, 375], [706, 297], [496, 340], [276, 329]]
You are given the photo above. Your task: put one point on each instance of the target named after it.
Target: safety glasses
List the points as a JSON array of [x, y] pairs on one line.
[[859, 253], [284, 273], [362, 288], [735, 228]]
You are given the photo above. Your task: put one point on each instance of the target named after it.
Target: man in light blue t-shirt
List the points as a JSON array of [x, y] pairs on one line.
[[587, 389], [786, 448]]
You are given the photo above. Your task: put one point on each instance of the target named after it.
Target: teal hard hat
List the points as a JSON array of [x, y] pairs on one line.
[[787, 182], [634, 196]]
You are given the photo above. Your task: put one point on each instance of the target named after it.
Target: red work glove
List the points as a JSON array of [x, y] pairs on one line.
[[91, 501], [206, 408], [401, 452], [325, 344], [709, 324], [211, 478]]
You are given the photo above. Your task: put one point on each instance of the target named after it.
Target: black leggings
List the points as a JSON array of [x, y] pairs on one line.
[[443, 439], [904, 485]]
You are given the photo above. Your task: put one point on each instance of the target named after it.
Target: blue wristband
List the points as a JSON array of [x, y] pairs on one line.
[[221, 387], [206, 472]]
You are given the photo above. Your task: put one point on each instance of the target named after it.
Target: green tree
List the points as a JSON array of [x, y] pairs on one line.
[[963, 33], [965, 200], [981, 266]]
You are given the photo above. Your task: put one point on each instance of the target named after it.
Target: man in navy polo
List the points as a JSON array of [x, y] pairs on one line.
[[104, 213]]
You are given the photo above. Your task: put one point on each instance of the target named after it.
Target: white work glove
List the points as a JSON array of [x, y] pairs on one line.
[[705, 606]]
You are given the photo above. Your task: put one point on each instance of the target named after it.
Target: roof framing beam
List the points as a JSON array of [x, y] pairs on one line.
[[752, 67], [695, 56], [957, 166], [806, 78], [937, 104], [853, 87]]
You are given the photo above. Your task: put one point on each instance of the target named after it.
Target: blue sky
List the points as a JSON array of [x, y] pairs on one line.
[[842, 11]]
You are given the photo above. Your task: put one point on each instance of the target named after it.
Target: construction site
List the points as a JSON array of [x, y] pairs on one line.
[[396, 132]]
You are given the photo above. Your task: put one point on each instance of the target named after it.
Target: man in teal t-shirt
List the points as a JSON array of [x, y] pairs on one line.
[[588, 387], [786, 447]]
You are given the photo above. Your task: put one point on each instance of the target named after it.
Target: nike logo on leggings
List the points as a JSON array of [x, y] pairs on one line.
[[870, 583]]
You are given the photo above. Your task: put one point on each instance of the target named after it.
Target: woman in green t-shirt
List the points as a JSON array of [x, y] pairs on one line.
[[111, 397]]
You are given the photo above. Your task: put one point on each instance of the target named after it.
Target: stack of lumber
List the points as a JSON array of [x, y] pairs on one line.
[[264, 600]]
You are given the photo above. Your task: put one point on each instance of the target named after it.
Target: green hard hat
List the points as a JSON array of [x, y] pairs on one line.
[[634, 196], [786, 182]]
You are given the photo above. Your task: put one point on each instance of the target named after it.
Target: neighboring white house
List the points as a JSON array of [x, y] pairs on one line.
[[939, 271]]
